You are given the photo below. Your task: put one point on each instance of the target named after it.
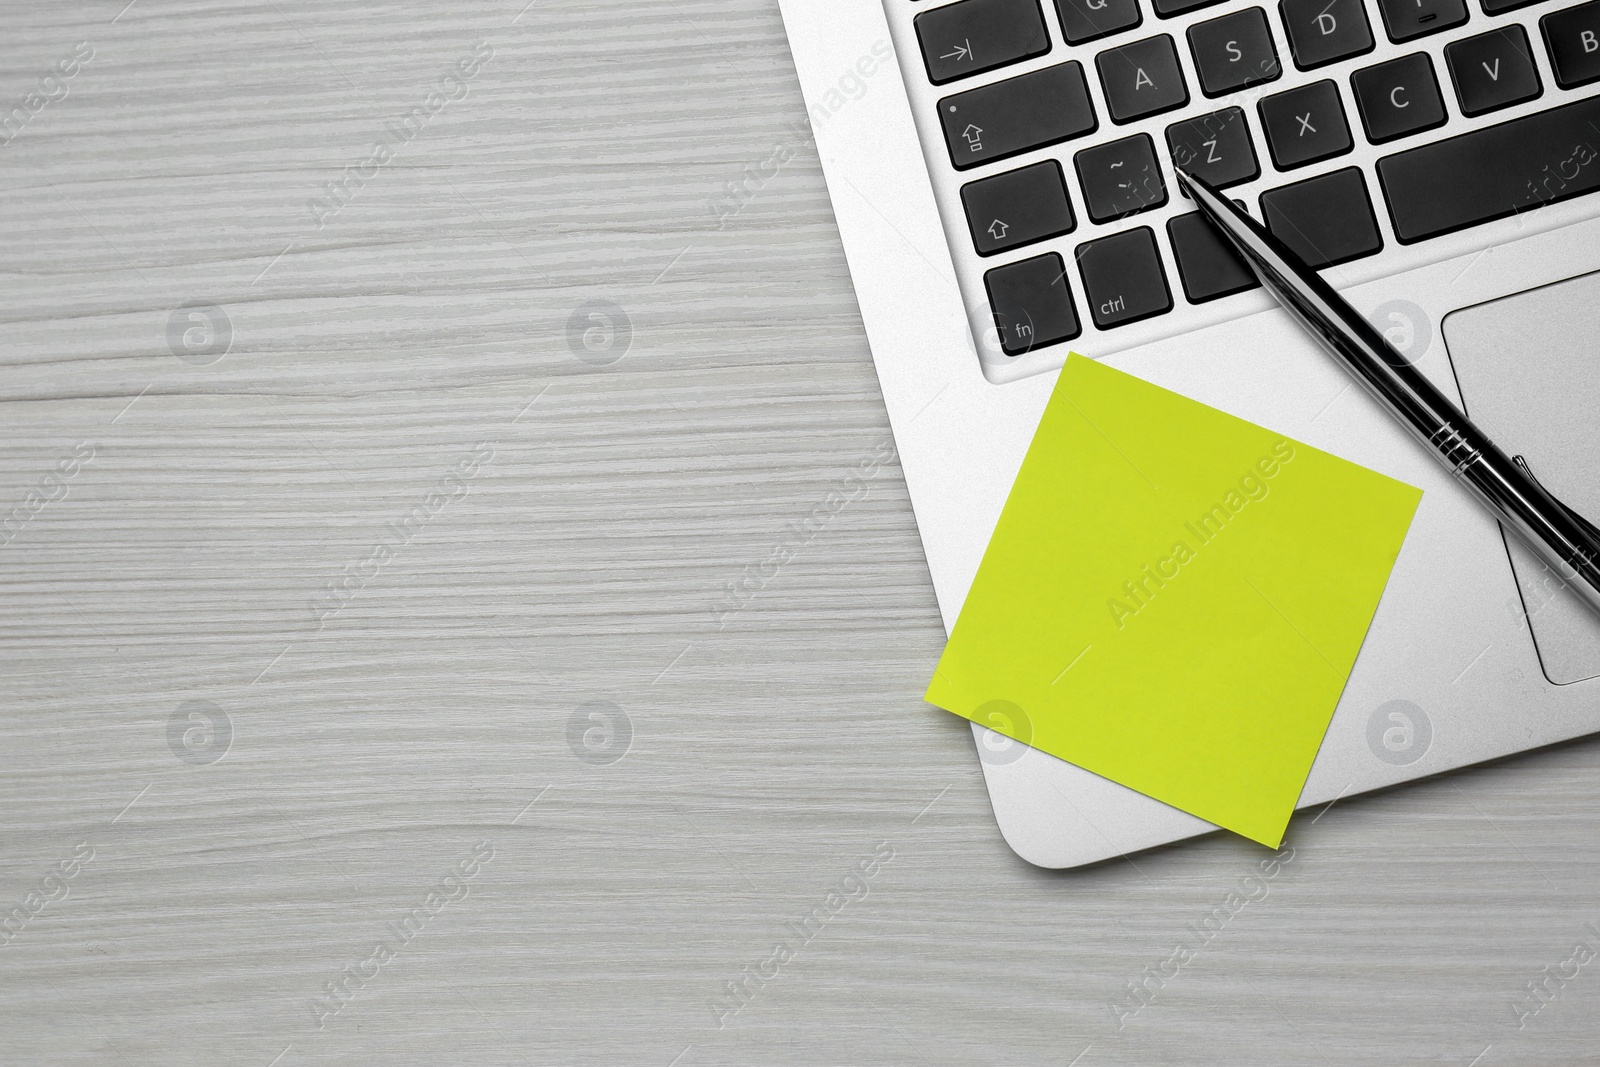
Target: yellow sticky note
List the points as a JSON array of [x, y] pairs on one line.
[[1174, 598]]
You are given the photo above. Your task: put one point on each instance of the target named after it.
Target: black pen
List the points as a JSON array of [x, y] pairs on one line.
[[1567, 542]]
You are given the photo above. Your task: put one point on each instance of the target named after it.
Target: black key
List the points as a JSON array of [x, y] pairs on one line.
[[1573, 39], [973, 36], [1122, 278], [1207, 264], [1216, 147], [1090, 20], [1032, 303], [1493, 172], [1326, 220], [1017, 208], [1323, 31], [1234, 51], [1141, 79], [1405, 19], [1120, 178], [1492, 70], [1305, 124], [1168, 8], [1397, 98], [1500, 7], [1016, 115]]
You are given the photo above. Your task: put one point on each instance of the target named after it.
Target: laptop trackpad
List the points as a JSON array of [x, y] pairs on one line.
[[1529, 370]]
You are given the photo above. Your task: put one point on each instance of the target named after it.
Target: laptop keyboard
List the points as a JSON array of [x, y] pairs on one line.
[[1353, 128]]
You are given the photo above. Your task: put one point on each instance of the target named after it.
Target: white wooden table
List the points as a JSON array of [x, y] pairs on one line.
[[371, 688]]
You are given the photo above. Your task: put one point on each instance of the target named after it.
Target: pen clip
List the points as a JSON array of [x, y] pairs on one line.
[[1587, 526]]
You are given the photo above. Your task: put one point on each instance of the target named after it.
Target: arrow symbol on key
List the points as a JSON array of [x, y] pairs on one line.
[[962, 51], [972, 133], [1001, 227]]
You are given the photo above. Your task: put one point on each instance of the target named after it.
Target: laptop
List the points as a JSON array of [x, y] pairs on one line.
[[1002, 175]]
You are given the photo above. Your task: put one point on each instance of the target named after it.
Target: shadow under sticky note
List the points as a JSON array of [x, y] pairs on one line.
[[1174, 598]]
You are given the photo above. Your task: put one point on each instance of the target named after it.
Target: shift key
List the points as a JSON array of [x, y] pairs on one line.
[[1493, 172], [1017, 115]]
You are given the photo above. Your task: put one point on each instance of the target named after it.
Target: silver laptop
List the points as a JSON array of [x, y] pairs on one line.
[[1001, 171]]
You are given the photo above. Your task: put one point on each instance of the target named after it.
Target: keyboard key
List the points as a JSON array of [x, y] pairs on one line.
[[1326, 220], [1493, 172], [1141, 79], [1573, 40], [1216, 147], [1120, 178], [1090, 20], [1017, 208], [1234, 51], [1305, 124], [1324, 31], [1207, 264], [1122, 278], [1168, 8], [973, 36], [1500, 7], [1405, 19], [1397, 98], [1016, 115], [1032, 304], [1492, 70]]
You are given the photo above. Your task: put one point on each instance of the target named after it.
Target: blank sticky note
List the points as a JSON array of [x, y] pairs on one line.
[[1174, 598]]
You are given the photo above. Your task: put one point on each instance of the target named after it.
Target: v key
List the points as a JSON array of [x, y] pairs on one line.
[[1492, 70]]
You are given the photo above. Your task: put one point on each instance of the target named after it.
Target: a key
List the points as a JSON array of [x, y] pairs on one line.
[[1405, 19], [1490, 173], [1022, 113], [1234, 51], [1122, 278], [1492, 70], [1168, 8], [1032, 304], [1573, 39], [1090, 20], [1017, 208], [1120, 178], [1325, 220], [1141, 79], [1305, 124], [1207, 264], [1216, 147], [1324, 31], [1500, 7], [973, 36], [1398, 98]]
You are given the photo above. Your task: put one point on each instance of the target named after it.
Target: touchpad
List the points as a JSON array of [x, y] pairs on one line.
[[1529, 369]]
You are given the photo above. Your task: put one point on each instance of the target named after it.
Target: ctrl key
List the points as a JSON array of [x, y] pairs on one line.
[[1032, 303], [1122, 278]]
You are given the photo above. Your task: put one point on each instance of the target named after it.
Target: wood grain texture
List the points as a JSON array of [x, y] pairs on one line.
[[583, 565]]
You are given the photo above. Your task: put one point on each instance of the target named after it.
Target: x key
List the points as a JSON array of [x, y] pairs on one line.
[[1305, 125]]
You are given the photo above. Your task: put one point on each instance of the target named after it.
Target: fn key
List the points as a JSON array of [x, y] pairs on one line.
[[1032, 303]]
